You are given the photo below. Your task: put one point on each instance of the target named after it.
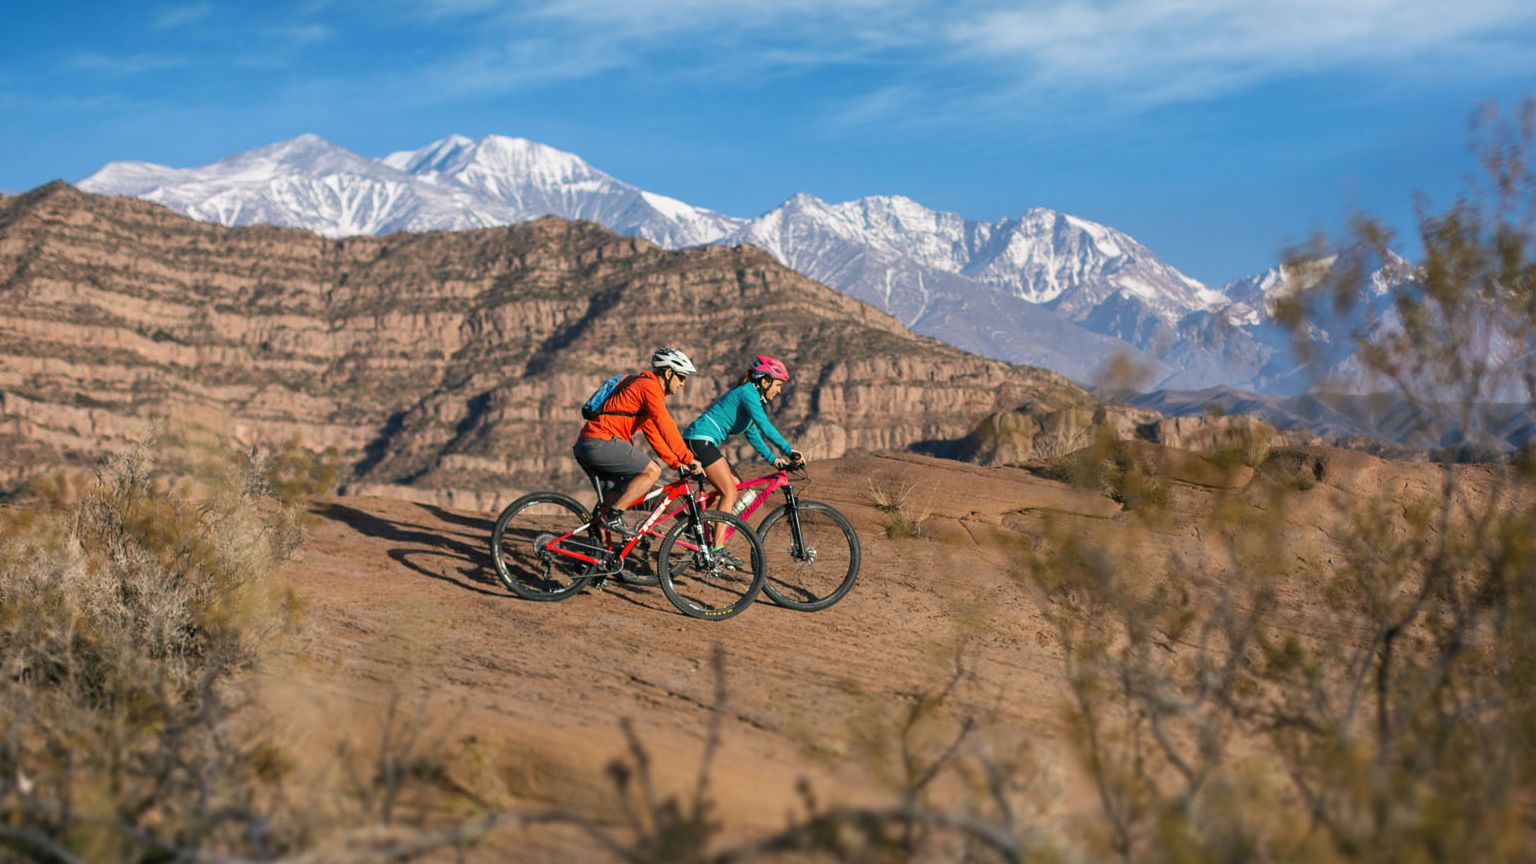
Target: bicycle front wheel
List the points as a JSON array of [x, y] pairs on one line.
[[816, 569], [707, 581], [521, 547]]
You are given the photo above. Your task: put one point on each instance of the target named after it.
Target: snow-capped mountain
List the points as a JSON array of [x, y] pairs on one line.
[[1044, 288], [1044, 257], [453, 184], [1243, 344], [518, 179], [304, 182]]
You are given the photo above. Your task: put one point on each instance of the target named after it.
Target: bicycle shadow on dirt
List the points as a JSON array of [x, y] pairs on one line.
[[478, 523], [473, 572]]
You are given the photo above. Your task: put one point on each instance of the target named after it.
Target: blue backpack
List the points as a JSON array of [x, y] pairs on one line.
[[593, 407]]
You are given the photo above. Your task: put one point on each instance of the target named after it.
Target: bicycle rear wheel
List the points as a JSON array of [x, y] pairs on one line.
[[819, 569], [520, 547], [702, 582]]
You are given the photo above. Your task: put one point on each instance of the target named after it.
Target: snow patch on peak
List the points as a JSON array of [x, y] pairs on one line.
[[669, 207], [498, 152], [127, 178], [430, 158], [1102, 237], [299, 147]]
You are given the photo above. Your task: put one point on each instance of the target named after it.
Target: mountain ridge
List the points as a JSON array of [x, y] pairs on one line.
[[450, 364], [1096, 295]]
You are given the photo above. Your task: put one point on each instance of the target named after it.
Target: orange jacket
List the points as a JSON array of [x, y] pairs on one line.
[[645, 396]]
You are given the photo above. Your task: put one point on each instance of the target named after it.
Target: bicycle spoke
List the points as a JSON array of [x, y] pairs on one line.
[[817, 571], [707, 581], [527, 543]]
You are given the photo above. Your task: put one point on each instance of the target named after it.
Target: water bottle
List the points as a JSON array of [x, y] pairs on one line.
[[744, 501]]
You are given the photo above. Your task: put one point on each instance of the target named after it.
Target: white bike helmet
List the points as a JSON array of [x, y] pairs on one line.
[[672, 358]]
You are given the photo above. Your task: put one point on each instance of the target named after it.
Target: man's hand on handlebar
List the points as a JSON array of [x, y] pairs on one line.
[[692, 469]]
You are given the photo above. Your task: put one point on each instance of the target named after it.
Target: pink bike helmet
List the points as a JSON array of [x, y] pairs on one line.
[[771, 367]]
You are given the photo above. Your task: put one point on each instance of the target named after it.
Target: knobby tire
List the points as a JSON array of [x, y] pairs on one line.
[[522, 566], [809, 585], [713, 592]]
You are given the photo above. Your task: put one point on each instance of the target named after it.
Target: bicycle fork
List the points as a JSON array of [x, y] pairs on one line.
[[797, 548], [705, 553]]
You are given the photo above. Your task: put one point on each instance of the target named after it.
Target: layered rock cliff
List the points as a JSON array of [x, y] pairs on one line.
[[450, 363]]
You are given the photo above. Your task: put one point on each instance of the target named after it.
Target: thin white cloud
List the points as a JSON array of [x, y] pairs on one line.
[[657, 18], [1126, 53], [181, 16], [516, 46], [127, 65], [510, 67], [453, 8], [300, 34], [885, 106], [780, 32], [935, 61], [1159, 51]]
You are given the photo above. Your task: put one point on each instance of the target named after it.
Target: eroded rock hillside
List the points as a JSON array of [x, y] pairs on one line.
[[449, 363]]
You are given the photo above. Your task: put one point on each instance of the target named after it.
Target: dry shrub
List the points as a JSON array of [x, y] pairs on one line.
[[934, 742], [1332, 678], [398, 773], [902, 517], [124, 618], [295, 471], [131, 608], [1050, 446], [1382, 721], [1251, 444], [1109, 465]]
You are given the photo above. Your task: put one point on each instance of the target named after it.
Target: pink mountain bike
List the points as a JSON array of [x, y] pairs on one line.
[[811, 551]]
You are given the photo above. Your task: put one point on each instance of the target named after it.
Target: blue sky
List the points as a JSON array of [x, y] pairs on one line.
[[1216, 132]]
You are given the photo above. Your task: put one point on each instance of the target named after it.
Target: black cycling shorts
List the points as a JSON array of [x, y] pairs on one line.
[[707, 453]]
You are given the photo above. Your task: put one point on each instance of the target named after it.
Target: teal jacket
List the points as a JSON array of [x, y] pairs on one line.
[[740, 409]]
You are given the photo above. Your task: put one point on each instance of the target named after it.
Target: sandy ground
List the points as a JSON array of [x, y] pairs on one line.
[[525, 699]]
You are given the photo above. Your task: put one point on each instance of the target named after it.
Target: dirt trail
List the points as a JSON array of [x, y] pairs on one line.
[[401, 600]]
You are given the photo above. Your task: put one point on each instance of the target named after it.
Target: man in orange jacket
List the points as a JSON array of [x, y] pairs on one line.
[[604, 447]]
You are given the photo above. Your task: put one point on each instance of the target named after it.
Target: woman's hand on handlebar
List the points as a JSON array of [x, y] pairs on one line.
[[794, 460]]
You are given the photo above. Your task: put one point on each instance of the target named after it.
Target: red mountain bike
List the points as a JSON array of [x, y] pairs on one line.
[[546, 546]]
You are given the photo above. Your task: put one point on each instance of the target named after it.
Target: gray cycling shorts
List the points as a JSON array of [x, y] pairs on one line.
[[610, 458]]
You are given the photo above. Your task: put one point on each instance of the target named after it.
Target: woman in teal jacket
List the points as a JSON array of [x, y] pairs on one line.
[[741, 410]]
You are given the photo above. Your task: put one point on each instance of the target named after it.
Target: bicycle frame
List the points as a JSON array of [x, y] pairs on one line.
[[775, 481], [696, 501], [681, 488], [771, 483]]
